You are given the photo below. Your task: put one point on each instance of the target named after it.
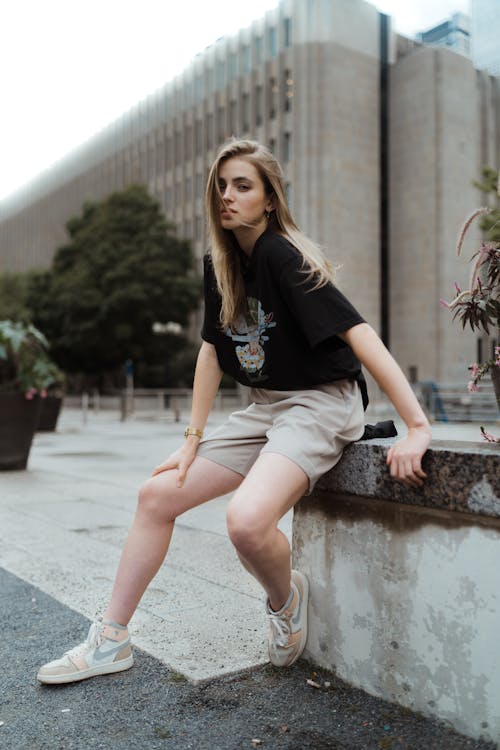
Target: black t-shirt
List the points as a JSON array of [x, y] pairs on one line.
[[288, 338]]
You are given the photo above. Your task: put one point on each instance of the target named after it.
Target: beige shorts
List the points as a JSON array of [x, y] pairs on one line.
[[311, 427]]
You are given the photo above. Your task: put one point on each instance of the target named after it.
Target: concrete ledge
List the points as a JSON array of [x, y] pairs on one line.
[[405, 584], [463, 477]]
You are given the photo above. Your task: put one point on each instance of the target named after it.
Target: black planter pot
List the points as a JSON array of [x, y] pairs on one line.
[[18, 421], [49, 413]]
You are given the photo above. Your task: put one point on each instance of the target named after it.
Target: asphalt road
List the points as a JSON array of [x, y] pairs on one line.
[[150, 706]]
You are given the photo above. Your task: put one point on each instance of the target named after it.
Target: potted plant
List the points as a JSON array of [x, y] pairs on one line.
[[26, 372], [479, 306], [52, 403]]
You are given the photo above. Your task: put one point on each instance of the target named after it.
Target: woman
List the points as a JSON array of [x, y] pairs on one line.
[[275, 321]]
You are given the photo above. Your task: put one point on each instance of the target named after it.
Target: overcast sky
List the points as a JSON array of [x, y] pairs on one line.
[[71, 66]]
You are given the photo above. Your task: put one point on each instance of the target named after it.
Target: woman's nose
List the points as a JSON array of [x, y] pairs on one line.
[[227, 193]]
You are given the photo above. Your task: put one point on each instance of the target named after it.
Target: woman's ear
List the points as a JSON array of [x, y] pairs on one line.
[[270, 205]]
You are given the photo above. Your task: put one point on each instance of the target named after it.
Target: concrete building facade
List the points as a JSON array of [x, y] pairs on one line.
[[380, 140]]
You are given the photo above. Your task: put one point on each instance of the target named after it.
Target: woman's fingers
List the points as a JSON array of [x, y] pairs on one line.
[[170, 463], [406, 468], [181, 474], [180, 460]]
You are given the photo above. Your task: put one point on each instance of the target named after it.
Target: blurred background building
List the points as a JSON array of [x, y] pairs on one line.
[[380, 138], [453, 33], [486, 35]]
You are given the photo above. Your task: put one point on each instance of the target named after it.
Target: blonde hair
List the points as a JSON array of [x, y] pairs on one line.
[[225, 258]]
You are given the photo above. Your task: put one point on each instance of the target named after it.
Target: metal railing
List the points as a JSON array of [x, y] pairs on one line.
[[158, 403], [452, 402]]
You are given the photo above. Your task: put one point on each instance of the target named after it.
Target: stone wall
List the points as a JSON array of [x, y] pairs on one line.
[[405, 584]]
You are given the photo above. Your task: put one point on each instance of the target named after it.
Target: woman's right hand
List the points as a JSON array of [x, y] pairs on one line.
[[180, 460]]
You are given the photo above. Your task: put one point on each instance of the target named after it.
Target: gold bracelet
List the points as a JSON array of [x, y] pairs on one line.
[[193, 431]]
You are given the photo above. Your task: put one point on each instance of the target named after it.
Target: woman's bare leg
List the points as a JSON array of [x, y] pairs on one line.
[[271, 488], [160, 502]]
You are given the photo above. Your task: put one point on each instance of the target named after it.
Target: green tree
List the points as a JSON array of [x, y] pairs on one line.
[[122, 270], [490, 184], [13, 294]]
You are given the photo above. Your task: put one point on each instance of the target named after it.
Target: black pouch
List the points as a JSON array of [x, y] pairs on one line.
[[379, 430]]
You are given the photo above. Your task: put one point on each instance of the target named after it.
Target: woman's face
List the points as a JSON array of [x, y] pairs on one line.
[[244, 198]]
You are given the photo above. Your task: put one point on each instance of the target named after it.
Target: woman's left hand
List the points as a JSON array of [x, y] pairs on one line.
[[405, 457]]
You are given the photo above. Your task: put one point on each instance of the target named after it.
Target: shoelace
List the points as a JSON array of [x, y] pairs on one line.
[[280, 625], [94, 638]]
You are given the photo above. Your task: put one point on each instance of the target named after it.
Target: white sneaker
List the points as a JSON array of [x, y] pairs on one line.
[[107, 649], [288, 627]]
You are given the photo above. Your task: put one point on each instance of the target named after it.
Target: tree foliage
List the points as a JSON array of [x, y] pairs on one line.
[[490, 223], [13, 293], [122, 270]]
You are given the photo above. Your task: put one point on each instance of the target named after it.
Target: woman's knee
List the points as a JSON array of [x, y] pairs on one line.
[[154, 501], [247, 531]]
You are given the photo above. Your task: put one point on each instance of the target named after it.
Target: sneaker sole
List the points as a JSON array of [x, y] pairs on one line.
[[305, 596], [304, 583], [84, 674]]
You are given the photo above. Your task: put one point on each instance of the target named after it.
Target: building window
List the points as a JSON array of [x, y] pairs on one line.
[[188, 196], [221, 74], [170, 152], [160, 155], [245, 105], [178, 147], [198, 234], [272, 146], [198, 87], [259, 45], [188, 229], [259, 105], [233, 124], [272, 42], [209, 131], [273, 98], [209, 81], [289, 193], [287, 32], [288, 89], [199, 186], [188, 92], [245, 58], [233, 65], [221, 124], [287, 147], [188, 143], [198, 131]]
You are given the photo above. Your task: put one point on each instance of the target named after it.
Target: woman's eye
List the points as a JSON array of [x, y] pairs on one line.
[[242, 187]]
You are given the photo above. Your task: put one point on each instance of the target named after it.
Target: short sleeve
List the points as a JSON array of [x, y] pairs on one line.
[[320, 313], [212, 302]]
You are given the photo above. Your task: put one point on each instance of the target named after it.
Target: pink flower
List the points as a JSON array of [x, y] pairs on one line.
[[457, 288], [43, 393], [489, 437], [472, 387], [29, 394], [474, 368], [444, 303], [497, 355]]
